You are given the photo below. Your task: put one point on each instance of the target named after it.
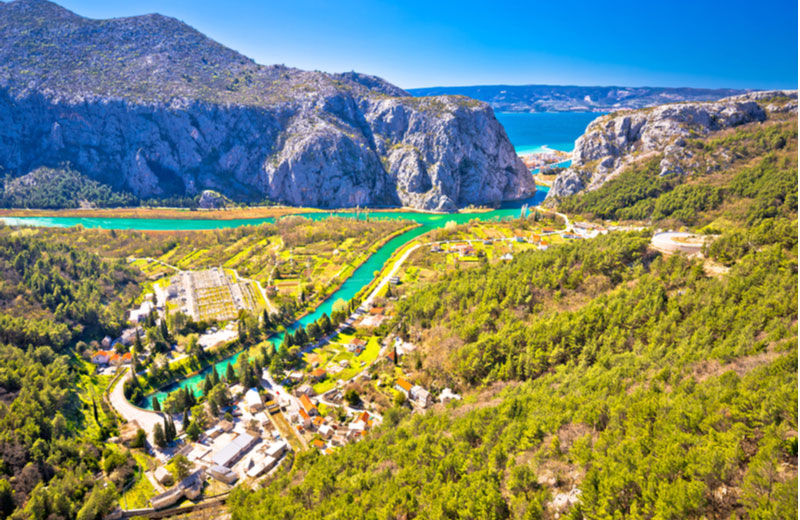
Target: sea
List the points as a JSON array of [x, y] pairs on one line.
[[535, 132]]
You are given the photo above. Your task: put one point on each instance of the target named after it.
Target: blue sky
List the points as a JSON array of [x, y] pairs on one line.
[[430, 43]]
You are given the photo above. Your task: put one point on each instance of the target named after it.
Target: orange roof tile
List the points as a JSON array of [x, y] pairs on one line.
[[402, 383], [306, 403]]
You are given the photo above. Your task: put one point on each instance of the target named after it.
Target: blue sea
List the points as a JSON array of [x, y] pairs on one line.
[[556, 130]]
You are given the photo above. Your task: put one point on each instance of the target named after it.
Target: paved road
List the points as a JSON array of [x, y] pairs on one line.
[[146, 419]]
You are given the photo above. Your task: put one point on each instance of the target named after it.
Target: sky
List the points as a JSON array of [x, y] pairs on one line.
[[424, 43]]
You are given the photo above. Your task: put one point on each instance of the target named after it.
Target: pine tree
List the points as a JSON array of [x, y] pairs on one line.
[[94, 410], [156, 404], [164, 329], [230, 374], [158, 436], [266, 324], [185, 421]]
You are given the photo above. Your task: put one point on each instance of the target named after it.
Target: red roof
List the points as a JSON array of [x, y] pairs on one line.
[[319, 372], [358, 341], [402, 383], [306, 403], [304, 415]]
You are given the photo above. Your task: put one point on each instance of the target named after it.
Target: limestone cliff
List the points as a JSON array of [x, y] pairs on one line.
[[614, 141], [150, 106]]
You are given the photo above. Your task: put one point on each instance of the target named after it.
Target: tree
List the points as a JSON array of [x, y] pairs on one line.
[[156, 404], [180, 467], [94, 411], [139, 439], [6, 498], [158, 436], [230, 374], [193, 431], [352, 398]]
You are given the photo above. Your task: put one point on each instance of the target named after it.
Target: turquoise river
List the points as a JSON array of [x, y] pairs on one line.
[[360, 278]]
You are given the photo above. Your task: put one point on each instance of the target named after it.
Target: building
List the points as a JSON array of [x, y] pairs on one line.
[[403, 386], [463, 249], [309, 407], [356, 346], [253, 401], [191, 487], [319, 374], [326, 431], [223, 474], [277, 449], [225, 426], [233, 451], [306, 389], [163, 476], [121, 359], [101, 357], [421, 397]]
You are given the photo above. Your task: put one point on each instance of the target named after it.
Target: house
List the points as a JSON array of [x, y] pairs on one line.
[[320, 445], [326, 431], [394, 280], [356, 346], [253, 401], [435, 248], [163, 476], [463, 249], [106, 342], [507, 256], [223, 474], [225, 426], [319, 374], [121, 359], [421, 397], [101, 357], [303, 419], [140, 314], [403, 386], [392, 356], [296, 376], [313, 360], [309, 407], [306, 389]]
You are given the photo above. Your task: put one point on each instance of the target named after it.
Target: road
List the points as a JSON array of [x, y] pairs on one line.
[[146, 420]]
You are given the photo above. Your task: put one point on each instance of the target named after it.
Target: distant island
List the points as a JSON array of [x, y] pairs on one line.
[[560, 98]]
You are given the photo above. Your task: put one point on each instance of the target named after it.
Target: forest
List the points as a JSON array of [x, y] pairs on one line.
[[52, 428]]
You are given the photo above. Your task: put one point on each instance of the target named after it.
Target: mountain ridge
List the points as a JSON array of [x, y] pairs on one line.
[[149, 105], [566, 98]]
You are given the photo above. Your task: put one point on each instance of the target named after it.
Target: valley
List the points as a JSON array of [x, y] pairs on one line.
[[239, 290]]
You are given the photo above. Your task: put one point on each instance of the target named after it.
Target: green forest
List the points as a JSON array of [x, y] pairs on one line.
[[53, 423]]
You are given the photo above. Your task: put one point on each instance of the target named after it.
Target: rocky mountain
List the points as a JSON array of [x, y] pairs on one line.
[[556, 98], [150, 106], [613, 142]]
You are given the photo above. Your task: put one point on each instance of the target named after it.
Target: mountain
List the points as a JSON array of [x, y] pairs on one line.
[[150, 106], [615, 142], [556, 98]]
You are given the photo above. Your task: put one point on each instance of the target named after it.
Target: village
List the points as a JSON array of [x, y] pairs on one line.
[[311, 408]]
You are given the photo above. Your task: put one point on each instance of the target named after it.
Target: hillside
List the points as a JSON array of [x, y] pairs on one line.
[[624, 139], [558, 98], [601, 378], [150, 106]]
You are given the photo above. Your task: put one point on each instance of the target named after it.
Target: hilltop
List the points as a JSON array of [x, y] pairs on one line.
[[152, 107]]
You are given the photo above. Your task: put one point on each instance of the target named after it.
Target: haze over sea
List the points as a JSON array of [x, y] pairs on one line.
[[530, 132]]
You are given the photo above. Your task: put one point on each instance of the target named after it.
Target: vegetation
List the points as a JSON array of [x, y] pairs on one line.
[[49, 188], [752, 168], [52, 421], [601, 379]]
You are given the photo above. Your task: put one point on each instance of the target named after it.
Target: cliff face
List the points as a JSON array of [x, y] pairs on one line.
[[151, 106], [612, 142]]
